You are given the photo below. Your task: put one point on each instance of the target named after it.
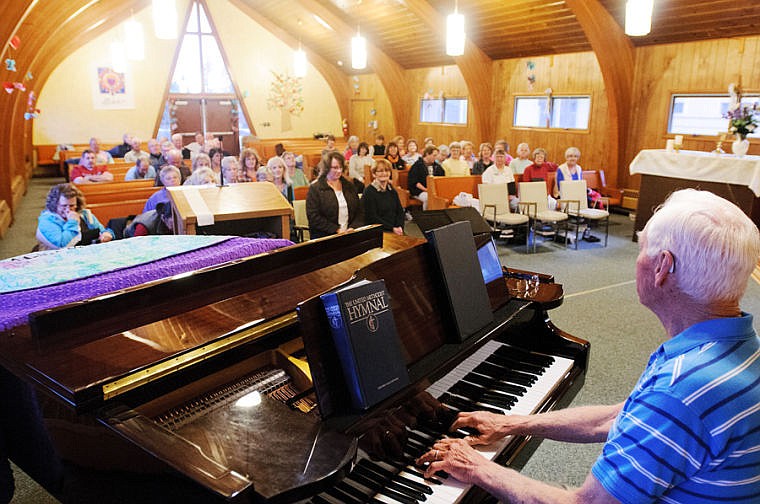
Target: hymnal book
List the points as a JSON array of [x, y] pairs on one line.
[[365, 338], [464, 287]]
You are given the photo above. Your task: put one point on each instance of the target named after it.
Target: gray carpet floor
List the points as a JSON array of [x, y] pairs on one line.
[[600, 306]]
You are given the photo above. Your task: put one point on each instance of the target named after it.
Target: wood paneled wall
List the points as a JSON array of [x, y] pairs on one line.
[[566, 74], [696, 67]]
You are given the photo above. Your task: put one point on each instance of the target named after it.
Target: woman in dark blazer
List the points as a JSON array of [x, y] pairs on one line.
[[332, 204]]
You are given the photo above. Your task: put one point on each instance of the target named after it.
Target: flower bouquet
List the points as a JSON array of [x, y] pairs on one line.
[[741, 119]]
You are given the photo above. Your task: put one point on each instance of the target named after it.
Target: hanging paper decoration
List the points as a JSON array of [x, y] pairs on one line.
[[10, 64], [530, 66], [172, 115], [8, 86], [31, 112], [15, 42], [19, 86], [29, 76]]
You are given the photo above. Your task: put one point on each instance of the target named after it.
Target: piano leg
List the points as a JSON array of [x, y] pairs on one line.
[[24, 439]]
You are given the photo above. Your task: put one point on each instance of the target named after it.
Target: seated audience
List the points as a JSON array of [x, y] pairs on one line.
[[688, 432], [249, 165], [153, 222], [352, 148], [322, 165], [455, 166], [65, 222], [332, 203], [155, 155], [412, 154], [419, 172], [500, 173], [195, 146], [400, 143], [468, 156], [87, 171], [443, 154], [296, 175], [277, 173], [380, 200], [101, 156], [174, 158], [379, 148], [539, 170], [571, 170], [201, 160], [132, 155], [120, 150], [177, 142], [428, 141], [230, 170], [394, 158], [215, 155], [504, 145], [170, 176], [522, 160], [141, 170], [201, 176], [279, 149], [484, 159], [357, 163]]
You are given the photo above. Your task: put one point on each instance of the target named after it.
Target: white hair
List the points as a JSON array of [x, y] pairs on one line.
[[573, 150], [714, 244]]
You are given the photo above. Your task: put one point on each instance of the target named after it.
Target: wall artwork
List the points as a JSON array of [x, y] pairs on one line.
[[286, 94], [112, 90]]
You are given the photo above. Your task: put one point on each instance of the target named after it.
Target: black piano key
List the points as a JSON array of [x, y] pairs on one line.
[[420, 475], [388, 483], [493, 384], [497, 372], [353, 491], [372, 466], [317, 499], [515, 365], [525, 356], [343, 496], [420, 437], [466, 405], [372, 485]]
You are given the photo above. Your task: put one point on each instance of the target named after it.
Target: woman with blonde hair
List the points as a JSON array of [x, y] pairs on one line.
[[277, 174]]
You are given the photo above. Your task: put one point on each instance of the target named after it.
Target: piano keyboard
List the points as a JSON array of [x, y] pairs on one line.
[[520, 388]]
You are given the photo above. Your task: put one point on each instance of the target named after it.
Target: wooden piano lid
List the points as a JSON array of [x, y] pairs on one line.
[[88, 352]]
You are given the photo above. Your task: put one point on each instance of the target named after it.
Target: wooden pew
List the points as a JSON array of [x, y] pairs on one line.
[[596, 180], [443, 190], [400, 180], [5, 218], [114, 209]]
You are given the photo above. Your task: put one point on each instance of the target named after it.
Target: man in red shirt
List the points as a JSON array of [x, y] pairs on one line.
[[86, 171]]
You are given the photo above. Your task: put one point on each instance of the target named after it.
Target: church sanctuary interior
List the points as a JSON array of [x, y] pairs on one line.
[[204, 368]]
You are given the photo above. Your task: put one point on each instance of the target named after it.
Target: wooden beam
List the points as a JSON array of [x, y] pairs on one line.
[[616, 56], [389, 72], [335, 77], [476, 68]]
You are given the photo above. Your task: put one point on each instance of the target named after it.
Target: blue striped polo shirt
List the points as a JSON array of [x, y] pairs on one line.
[[690, 430]]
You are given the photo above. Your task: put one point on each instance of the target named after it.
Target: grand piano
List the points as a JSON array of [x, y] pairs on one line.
[[221, 385]]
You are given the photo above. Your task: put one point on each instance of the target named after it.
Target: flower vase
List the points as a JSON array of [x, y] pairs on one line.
[[740, 146]]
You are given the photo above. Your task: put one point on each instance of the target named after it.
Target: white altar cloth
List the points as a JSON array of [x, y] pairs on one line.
[[696, 165]]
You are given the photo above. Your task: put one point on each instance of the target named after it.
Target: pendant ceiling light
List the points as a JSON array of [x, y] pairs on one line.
[[455, 35], [358, 51], [118, 59], [638, 17], [299, 62], [165, 19], [133, 35]]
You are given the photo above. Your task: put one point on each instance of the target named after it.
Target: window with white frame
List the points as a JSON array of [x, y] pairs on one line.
[[443, 110], [702, 114], [560, 112]]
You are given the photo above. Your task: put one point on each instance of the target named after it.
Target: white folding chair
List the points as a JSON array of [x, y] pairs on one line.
[[574, 199], [494, 206], [534, 204]]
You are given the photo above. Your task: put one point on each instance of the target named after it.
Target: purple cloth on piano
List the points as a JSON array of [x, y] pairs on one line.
[[17, 306]]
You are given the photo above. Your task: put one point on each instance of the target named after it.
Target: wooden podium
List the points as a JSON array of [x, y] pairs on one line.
[[238, 209]]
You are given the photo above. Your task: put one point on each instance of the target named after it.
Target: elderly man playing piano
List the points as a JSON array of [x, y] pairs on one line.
[[690, 430]]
